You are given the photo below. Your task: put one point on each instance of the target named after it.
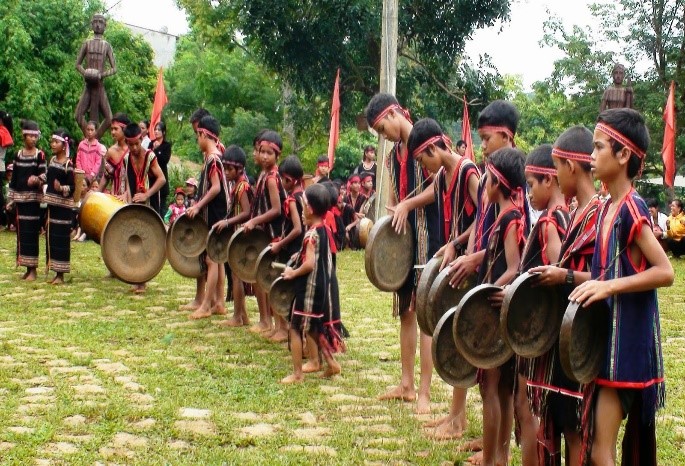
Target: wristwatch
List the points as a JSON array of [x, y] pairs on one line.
[[569, 277]]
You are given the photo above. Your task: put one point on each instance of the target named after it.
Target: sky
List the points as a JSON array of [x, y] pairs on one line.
[[514, 50]]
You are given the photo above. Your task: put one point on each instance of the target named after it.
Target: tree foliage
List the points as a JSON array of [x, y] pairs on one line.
[[38, 79]]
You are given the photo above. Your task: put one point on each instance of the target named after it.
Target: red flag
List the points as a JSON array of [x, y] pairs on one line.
[[466, 132], [335, 122], [160, 101], [668, 148]]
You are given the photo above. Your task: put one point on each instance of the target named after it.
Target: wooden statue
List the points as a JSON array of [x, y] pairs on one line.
[[617, 95], [96, 52]]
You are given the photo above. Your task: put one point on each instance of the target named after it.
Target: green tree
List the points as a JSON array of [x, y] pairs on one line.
[[38, 79]]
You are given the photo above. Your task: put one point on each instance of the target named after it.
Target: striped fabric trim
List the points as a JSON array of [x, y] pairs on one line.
[[61, 201], [60, 266], [27, 261]]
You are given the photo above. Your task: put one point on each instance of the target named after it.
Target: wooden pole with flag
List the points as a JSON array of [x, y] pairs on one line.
[[466, 132], [335, 122], [160, 101], [668, 148]]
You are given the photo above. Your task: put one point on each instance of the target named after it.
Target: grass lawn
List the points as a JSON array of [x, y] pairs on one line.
[[92, 374]]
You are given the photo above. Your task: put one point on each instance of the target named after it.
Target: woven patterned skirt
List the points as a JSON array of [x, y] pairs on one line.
[[28, 229], [58, 238]]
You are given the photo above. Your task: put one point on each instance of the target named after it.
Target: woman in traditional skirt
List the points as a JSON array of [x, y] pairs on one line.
[[59, 197], [26, 192]]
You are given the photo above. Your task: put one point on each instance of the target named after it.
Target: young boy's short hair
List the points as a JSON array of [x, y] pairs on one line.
[[540, 157], [652, 202], [322, 159], [318, 198], [273, 137], [423, 130], [377, 105], [121, 118], [132, 130], [198, 115], [500, 113], [234, 155], [510, 162], [461, 143], [576, 140], [211, 124], [333, 192], [291, 167], [631, 125]]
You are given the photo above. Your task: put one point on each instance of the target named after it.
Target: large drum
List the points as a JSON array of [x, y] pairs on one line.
[[476, 330], [243, 251], [583, 340], [79, 176], [217, 244], [448, 361], [131, 236], [442, 296], [186, 266], [389, 257], [531, 316], [189, 235]]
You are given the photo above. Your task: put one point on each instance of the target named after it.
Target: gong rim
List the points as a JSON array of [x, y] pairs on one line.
[[189, 235], [442, 296], [449, 363], [217, 244], [185, 266], [265, 274], [582, 340], [365, 226], [243, 250], [530, 319], [281, 296], [141, 257], [428, 275], [388, 257], [476, 330]]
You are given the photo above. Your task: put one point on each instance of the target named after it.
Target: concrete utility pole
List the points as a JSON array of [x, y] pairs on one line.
[[388, 85]]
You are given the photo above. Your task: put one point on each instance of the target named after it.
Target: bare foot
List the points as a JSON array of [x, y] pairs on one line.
[[191, 306], [399, 393], [200, 313], [449, 430], [30, 275], [471, 445], [259, 328], [219, 310], [311, 366], [57, 281], [436, 422], [292, 378], [232, 322], [268, 332], [423, 405], [475, 459], [331, 369], [279, 336], [138, 289]]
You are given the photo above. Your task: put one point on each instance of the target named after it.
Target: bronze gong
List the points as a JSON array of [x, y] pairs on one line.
[[530, 316], [442, 296], [281, 296], [476, 329], [428, 274], [266, 274], [448, 361], [189, 235], [243, 250], [583, 339], [217, 244], [185, 266], [389, 257]]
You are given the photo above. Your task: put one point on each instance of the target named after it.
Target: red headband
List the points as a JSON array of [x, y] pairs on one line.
[[134, 138], [323, 164], [499, 176], [499, 129], [620, 138], [232, 164], [274, 146], [119, 124], [541, 170], [353, 179], [208, 133], [387, 110], [31, 132], [430, 141], [577, 156], [367, 177]]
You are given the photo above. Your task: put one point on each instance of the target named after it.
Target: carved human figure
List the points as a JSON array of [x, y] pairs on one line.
[[95, 53], [617, 95]]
